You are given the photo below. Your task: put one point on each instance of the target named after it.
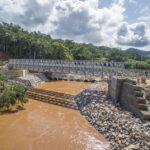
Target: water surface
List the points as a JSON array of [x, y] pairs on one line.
[[43, 126]]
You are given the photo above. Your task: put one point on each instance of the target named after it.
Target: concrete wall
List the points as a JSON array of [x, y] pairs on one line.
[[16, 73], [147, 93], [115, 88], [131, 96]]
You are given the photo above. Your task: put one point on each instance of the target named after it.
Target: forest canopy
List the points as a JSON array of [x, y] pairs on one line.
[[19, 43]]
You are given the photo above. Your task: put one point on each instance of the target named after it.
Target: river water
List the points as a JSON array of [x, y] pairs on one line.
[[43, 126]]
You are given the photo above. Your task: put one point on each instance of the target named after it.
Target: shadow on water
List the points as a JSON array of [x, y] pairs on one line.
[[11, 111], [51, 97], [52, 93]]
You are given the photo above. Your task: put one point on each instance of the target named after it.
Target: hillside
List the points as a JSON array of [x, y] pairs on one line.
[[19, 43], [143, 53], [3, 56]]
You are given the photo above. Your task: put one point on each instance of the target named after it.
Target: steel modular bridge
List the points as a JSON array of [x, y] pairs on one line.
[[81, 67], [66, 66]]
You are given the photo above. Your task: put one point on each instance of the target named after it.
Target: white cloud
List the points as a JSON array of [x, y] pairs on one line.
[[28, 13], [122, 2], [43, 2], [145, 10], [78, 20], [144, 18], [132, 1], [84, 22], [133, 35]]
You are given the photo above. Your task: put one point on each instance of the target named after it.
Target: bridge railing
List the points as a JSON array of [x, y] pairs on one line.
[[66, 63], [87, 67]]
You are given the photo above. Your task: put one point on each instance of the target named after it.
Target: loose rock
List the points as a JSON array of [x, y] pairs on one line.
[[31, 80], [120, 127]]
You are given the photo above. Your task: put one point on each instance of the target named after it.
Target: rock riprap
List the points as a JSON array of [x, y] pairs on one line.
[[31, 80], [121, 128]]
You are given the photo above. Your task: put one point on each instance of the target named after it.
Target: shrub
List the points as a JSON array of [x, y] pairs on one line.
[[12, 95], [20, 91], [132, 64], [2, 76]]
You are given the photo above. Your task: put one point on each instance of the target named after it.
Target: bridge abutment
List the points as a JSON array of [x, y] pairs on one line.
[[12, 73]]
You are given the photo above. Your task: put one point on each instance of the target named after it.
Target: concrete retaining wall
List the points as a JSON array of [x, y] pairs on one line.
[[15, 73], [147, 93], [131, 96]]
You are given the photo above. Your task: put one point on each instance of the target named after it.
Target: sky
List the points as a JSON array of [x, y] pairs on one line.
[[113, 23]]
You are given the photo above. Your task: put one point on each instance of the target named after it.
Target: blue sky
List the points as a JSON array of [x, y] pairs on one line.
[[113, 23]]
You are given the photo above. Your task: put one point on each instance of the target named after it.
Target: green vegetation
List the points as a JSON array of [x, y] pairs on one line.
[[132, 64], [59, 51], [2, 63], [11, 95], [18, 43]]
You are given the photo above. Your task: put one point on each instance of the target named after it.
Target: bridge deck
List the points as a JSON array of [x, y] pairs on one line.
[[85, 67]]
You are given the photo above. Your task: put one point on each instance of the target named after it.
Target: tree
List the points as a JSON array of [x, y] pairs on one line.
[[82, 53], [18, 43], [11, 95], [59, 51], [2, 76]]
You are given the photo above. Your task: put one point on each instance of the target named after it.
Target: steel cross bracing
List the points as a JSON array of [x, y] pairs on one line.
[[83, 67], [65, 66]]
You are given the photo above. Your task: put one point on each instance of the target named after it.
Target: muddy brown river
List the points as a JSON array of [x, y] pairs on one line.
[[43, 126]]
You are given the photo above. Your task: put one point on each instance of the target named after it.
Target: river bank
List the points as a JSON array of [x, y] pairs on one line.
[[119, 127], [43, 126], [31, 80], [123, 130]]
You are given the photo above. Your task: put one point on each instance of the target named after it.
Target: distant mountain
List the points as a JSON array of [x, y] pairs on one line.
[[144, 53]]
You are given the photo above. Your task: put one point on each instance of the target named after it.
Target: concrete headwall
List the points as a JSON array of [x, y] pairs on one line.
[[147, 93], [131, 96], [16, 73], [115, 88]]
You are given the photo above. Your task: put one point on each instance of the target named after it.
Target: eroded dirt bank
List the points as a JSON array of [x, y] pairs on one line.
[[43, 126]]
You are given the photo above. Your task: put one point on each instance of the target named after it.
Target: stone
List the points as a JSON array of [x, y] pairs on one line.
[[115, 87], [121, 128], [131, 81], [142, 106], [146, 115], [139, 94], [132, 147], [147, 93], [141, 100], [31, 79], [120, 135]]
